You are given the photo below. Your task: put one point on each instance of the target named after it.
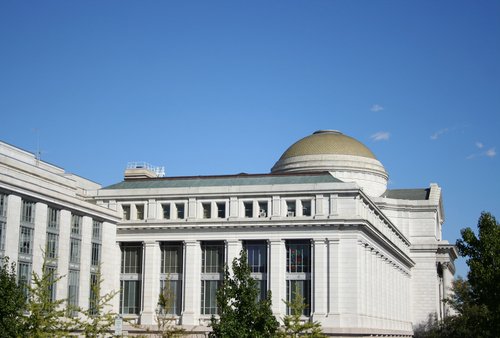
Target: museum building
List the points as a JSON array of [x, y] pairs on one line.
[[368, 260]]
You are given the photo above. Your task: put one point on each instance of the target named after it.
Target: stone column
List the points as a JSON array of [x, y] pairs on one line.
[[85, 255], [39, 237], [334, 272], [320, 279], [277, 270], [192, 284], [12, 227], [110, 263], [151, 282]]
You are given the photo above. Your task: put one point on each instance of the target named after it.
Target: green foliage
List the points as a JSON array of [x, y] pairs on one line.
[[294, 326], [98, 319], [241, 314], [45, 316], [13, 301], [166, 321], [477, 299]]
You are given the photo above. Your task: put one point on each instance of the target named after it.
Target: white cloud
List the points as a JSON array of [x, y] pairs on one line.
[[438, 133], [380, 136], [491, 152], [479, 145], [376, 108]]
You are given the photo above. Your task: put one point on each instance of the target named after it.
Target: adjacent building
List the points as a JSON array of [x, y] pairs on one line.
[[367, 259]]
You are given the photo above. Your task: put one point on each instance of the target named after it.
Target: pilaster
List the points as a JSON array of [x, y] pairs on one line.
[[40, 237], [151, 282], [12, 227], [192, 284], [320, 279], [85, 255], [277, 270]]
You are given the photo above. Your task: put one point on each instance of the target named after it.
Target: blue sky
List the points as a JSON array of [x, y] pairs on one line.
[[216, 87]]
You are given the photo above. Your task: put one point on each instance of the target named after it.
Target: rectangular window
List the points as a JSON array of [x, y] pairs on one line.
[[52, 219], [28, 212], [95, 258], [51, 273], [298, 256], [51, 246], [180, 210], [2, 235], [221, 209], [212, 260], [166, 210], [290, 208], [73, 286], [248, 209], [171, 258], [130, 297], [257, 260], [209, 296], [300, 288], [263, 209], [74, 250], [306, 208], [212, 265], [3, 205], [172, 290], [171, 278], [130, 284], [93, 296], [131, 258], [140, 211], [26, 240], [126, 212], [206, 210], [298, 267], [76, 224], [24, 276], [96, 230]]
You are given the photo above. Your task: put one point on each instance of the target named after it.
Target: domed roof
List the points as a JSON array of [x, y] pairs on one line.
[[327, 142]]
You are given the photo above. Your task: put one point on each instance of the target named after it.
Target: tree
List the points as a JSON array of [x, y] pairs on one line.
[[46, 316], [164, 319], [98, 319], [477, 299], [241, 314], [480, 294], [294, 326], [13, 301]]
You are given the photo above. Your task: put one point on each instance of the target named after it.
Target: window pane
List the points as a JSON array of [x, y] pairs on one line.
[[131, 258], [96, 230], [257, 257], [212, 258], [209, 296], [172, 290], [26, 240], [2, 235], [53, 218], [180, 210], [96, 254], [300, 288], [171, 258], [130, 297], [74, 251], [73, 286], [298, 257], [3, 205], [76, 223], [52, 241]]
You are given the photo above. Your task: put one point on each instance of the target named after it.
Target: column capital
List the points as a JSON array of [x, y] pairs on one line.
[[151, 243], [317, 241], [191, 242]]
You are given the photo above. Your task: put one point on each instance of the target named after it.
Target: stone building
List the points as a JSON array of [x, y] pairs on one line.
[[367, 259]]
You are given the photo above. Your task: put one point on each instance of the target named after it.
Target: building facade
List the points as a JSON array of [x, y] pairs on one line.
[[368, 260]]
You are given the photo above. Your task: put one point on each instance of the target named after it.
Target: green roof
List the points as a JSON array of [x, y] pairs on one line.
[[230, 180], [407, 194]]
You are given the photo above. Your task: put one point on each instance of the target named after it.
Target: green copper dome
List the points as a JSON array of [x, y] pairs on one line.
[[327, 142]]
